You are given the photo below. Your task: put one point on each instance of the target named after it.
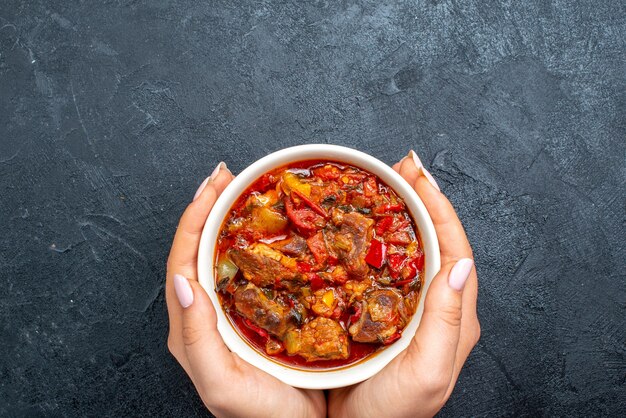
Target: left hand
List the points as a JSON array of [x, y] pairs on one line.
[[227, 385], [419, 381]]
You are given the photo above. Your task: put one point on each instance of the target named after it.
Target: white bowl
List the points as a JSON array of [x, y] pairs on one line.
[[303, 378]]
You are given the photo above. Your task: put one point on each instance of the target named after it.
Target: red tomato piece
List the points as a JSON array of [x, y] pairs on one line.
[[377, 253], [305, 219], [304, 267], [383, 225], [317, 282], [318, 248], [395, 262]]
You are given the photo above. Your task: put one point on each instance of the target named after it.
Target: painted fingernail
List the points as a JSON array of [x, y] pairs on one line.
[[183, 290], [220, 166], [202, 186], [212, 177], [416, 159], [459, 273], [430, 178]]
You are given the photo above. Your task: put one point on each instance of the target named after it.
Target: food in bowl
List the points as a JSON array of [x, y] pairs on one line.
[[319, 264]]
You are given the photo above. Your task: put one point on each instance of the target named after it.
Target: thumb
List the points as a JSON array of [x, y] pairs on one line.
[[207, 354], [434, 346]]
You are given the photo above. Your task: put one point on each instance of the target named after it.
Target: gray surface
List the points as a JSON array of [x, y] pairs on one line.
[[112, 113]]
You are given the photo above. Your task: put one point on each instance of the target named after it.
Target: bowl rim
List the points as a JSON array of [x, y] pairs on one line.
[[315, 378]]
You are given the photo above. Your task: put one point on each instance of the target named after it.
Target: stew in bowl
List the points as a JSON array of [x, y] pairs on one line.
[[319, 264]]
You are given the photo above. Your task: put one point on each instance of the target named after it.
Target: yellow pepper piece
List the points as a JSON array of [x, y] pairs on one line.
[[412, 248], [289, 262], [292, 182], [329, 298], [267, 220]]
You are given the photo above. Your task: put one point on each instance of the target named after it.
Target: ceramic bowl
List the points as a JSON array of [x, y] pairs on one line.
[[315, 378]]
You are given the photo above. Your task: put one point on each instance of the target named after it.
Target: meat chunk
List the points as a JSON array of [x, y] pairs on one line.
[[263, 312], [383, 312], [295, 245], [351, 241], [320, 339], [264, 266]]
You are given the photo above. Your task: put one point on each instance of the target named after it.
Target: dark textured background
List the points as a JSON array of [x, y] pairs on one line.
[[112, 113]]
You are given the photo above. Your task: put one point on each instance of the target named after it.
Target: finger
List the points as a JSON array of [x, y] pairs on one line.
[[184, 250], [409, 169], [208, 356], [470, 330], [184, 253], [453, 243], [447, 227], [396, 166], [450, 233], [433, 350]]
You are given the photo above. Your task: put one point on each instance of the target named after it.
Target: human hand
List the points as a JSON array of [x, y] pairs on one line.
[[227, 385], [420, 380]]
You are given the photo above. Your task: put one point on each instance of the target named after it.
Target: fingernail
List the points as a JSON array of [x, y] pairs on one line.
[[202, 186], [212, 177], [459, 273], [183, 290], [416, 159], [430, 178], [221, 165]]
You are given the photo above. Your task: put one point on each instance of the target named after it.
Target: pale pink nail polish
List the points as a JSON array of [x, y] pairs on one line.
[[416, 159], [221, 165], [183, 290], [460, 273], [202, 186], [430, 178], [212, 177]]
